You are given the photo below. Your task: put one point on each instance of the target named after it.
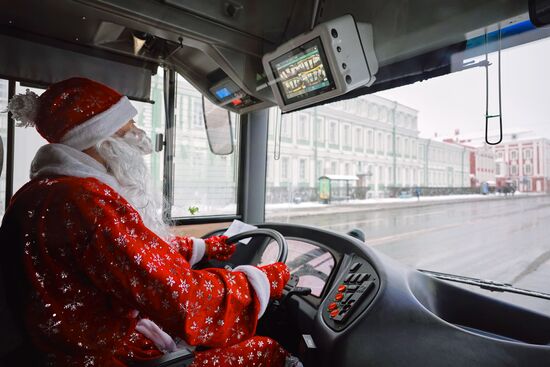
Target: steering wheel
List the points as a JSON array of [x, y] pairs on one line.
[[264, 232]]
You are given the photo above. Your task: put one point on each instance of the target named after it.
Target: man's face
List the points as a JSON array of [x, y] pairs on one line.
[[136, 137]]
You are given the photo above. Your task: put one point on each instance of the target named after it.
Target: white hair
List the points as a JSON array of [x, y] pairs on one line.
[[123, 157]]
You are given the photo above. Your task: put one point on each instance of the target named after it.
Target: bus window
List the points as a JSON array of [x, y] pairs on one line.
[[204, 183], [425, 147], [150, 118], [4, 137], [27, 143]]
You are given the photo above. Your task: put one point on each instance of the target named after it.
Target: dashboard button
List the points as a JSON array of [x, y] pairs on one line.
[[332, 306], [352, 287], [354, 278], [334, 313], [355, 267], [365, 287], [348, 278], [347, 296], [339, 296], [362, 277], [342, 288]]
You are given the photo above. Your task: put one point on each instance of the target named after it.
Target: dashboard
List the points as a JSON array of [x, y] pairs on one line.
[[369, 310]]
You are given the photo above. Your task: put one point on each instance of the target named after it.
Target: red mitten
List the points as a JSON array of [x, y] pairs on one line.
[[217, 249], [278, 275]]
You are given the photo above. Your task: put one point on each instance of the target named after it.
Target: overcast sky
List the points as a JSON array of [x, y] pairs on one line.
[[457, 100]]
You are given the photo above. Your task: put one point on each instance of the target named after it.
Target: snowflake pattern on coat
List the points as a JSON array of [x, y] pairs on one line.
[[90, 263]]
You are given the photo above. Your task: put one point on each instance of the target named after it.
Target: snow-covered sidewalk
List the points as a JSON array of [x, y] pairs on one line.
[[274, 211]]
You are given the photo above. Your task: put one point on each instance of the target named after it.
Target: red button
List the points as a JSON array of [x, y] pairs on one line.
[[339, 296], [342, 288], [334, 313], [332, 306]]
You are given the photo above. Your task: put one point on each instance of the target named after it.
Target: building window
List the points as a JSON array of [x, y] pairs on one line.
[[302, 169], [527, 170], [500, 155], [303, 127], [333, 132], [286, 127], [370, 140], [527, 154], [514, 170], [398, 144], [347, 136], [514, 155], [320, 171], [320, 129], [389, 147], [347, 169], [284, 168], [333, 168], [359, 139], [379, 143]]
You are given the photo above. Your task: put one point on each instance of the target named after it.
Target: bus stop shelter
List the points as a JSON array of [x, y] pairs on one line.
[[335, 187]]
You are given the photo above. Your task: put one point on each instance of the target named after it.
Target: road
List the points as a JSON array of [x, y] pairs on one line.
[[503, 240]]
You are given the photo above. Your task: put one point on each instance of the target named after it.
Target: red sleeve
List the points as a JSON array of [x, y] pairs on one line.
[[211, 307]]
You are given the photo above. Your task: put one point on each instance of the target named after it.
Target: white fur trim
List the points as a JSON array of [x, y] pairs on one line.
[[199, 248], [154, 333], [62, 160], [100, 126], [258, 280]]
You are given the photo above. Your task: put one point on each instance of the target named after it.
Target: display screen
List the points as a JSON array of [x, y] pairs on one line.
[[223, 93], [303, 72]]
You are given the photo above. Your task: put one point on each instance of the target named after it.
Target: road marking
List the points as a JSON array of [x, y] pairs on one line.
[[383, 219], [380, 240]]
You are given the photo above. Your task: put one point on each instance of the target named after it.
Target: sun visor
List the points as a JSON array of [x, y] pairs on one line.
[[42, 64]]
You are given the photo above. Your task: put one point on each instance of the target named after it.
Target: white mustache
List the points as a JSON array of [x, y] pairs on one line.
[[138, 139]]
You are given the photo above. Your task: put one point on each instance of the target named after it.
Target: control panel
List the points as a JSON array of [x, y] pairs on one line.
[[230, 95], [356, 289]]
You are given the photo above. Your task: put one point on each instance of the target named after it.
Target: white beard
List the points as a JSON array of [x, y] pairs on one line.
[[124, 161]]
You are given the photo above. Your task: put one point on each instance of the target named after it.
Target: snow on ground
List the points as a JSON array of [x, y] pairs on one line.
[[423, 199]]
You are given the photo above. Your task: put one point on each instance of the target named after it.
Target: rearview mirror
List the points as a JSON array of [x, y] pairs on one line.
[[217, 122]]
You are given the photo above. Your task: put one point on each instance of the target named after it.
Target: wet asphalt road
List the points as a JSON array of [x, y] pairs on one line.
[[503, 240]]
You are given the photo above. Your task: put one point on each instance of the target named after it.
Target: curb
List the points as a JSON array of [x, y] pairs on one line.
[[297, 212]]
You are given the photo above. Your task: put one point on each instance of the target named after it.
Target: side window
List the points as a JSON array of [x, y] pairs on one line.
[[310, 263], [203, 183], [151, 118], [27, 143]]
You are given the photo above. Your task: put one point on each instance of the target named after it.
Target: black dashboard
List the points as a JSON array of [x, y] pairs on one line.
[[375, 311]]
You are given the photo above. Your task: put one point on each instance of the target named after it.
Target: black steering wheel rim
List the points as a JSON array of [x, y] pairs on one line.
[[266, 232]]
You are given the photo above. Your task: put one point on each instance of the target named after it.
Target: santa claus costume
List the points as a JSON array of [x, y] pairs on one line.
[[99, 286]]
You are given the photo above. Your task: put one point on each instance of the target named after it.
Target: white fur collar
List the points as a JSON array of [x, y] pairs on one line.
[[62, 160]]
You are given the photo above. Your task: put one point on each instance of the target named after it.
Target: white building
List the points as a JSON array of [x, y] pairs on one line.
[[371, 137]]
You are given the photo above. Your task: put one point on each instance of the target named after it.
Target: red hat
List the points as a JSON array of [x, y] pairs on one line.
[[77, 112]]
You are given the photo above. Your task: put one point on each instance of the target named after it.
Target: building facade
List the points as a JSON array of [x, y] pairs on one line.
[[525, 163], [522, 160], [370, 137], [482, 163]]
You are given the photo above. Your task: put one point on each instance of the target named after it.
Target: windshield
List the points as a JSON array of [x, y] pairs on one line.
[[410, 167]]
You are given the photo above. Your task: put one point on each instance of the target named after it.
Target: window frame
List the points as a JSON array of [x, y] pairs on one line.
[[170, 95]]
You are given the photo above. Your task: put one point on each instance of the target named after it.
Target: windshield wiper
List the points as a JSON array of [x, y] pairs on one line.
[[486, 284]]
